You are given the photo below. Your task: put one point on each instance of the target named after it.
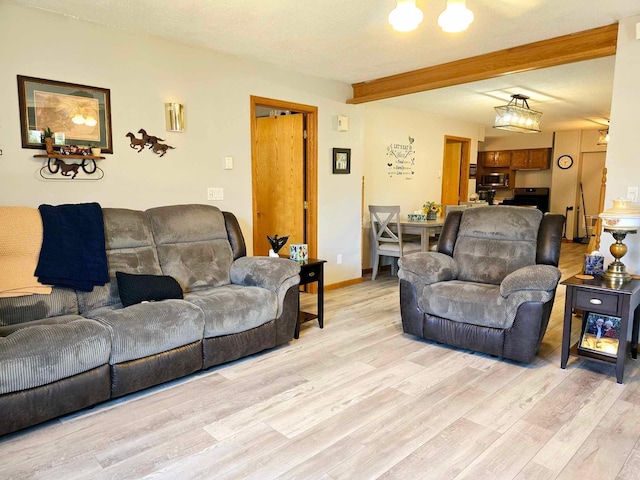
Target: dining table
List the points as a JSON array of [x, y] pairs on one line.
[[425, 229]]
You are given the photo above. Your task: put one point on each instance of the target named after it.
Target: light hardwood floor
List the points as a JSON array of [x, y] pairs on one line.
[[357, 400]]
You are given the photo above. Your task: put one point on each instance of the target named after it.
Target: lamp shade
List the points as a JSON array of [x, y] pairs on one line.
[[516, 116], [456, 18], [622, 216], [406, 16]]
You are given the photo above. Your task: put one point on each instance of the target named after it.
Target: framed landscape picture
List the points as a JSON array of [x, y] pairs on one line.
[[76, 114], [601, 334]]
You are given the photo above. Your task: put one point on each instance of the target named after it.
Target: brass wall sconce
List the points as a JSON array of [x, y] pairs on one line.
[[174, 116]]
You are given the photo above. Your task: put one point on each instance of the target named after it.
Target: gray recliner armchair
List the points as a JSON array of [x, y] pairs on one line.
[[491, 284]]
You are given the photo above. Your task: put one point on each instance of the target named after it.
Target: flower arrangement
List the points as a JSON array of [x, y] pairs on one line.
[[432, 207]]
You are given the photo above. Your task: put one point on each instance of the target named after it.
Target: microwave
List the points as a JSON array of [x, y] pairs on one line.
[[493, 180]]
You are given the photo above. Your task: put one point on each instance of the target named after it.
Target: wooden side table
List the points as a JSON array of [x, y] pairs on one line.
[[602, 297], [312, 270]]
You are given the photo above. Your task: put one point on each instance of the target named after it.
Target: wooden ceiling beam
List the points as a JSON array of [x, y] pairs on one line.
[[576, 47]]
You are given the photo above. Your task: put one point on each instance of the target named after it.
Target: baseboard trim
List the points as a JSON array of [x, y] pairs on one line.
[[345, 283]]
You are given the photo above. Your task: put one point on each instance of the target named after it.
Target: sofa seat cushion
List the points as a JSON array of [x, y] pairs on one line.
[[45, 352], [146, 329], [234, 308], [476, 303]]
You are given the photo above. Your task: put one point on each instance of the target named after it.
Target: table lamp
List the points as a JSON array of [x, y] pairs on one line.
[[622, 219]]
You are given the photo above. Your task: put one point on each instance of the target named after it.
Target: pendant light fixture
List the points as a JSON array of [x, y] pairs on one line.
[[406, 16], [456, 18], [517, 116], [603, 137]]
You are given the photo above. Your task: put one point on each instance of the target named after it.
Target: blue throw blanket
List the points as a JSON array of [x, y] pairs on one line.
[[73, 250]]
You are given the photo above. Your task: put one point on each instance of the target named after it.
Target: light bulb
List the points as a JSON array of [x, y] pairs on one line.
[[406, 16], [456, 17]]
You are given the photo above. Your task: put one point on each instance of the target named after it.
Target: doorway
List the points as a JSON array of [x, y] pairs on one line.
[[455, 170], [284, 171], [587, 203]]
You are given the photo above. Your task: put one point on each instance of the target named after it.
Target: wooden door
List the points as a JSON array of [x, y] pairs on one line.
[[451, 173], [278, 181], [592, 164], [455, 170]]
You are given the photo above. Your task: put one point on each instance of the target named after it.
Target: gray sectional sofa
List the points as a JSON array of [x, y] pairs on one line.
[[70, 350]]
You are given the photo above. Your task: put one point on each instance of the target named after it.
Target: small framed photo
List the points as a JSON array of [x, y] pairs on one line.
[[601, 334], [341, 160]]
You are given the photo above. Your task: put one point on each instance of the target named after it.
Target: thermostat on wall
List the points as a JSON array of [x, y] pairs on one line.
[[343, 123]]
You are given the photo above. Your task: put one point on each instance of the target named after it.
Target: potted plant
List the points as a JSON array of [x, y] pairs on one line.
[[95, 151], [47, 134], [432, 209]]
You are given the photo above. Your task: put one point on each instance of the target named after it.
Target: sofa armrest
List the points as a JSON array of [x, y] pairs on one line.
[[266, 272], [530, 278], [275, 274], [427, 268]]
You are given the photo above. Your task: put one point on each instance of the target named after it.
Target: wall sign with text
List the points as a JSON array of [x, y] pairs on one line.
[[401, 160]]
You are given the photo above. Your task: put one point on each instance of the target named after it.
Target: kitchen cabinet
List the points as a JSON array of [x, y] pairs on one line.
[[495, 159], [531, 159]]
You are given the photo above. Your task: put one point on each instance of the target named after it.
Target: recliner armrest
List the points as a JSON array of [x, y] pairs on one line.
[[530, 278], [428, 267]]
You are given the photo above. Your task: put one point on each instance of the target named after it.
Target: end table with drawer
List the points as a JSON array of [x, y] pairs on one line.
[[599, 295], [312, 270]]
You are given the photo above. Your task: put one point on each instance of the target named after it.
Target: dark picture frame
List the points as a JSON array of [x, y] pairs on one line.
[[600, 334], [76, 114], [342, 160]]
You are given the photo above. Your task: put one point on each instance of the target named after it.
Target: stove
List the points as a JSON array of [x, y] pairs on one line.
[[530, 196]]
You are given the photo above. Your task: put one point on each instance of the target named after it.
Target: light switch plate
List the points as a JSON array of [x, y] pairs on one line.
[[632, 194], [214, 193]]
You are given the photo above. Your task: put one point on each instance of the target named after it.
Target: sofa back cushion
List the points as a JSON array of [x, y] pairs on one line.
[[495, 241], [130, 249], [192, 245]]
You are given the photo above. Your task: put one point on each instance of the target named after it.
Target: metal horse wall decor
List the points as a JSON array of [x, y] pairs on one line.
[[148, 140]]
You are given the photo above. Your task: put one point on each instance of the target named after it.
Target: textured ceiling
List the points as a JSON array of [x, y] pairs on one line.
[[351, 41]]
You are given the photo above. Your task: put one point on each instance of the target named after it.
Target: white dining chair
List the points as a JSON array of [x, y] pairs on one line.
[[386, 234]]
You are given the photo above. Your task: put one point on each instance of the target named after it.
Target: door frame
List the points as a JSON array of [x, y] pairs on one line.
[[465, 161], [311, 165]]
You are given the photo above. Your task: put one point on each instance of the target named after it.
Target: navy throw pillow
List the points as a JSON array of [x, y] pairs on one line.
[[135, 288]]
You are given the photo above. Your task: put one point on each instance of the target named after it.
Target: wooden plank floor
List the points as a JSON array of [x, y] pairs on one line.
[[357, 400]]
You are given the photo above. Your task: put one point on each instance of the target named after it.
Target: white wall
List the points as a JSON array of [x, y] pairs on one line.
[[517, 141], [386, 126], [623, 153], [145, 72]]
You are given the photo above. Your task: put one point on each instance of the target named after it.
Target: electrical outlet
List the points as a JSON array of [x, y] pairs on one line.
[[632, 194], [228, 163], [339, 259], [209, 193]]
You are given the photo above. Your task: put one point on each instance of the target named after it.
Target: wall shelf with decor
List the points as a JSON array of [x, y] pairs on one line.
[[88, 169]]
